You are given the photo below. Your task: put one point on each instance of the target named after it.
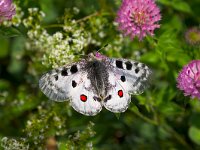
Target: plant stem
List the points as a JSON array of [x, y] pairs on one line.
[[144, 117], [77, 21], [87, 17], [54, 26], [177, 136]]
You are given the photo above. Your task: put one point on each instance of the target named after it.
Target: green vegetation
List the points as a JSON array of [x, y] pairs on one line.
[[46, 34]]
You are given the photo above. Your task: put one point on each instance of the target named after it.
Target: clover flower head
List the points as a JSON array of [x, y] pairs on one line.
[[7, 10], [138, 18], [189, 79], [192, 36]]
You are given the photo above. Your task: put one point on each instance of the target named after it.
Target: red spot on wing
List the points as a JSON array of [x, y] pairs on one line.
[[120, 93], [83, 98]]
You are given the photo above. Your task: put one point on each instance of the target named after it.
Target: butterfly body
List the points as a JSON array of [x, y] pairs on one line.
[[98, 75], [95, 82]]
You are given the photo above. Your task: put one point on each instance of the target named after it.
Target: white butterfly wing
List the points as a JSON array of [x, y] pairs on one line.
[[135, 76], [118, 98], [126, 77], [71, 82], [82, 99], [56, 84]]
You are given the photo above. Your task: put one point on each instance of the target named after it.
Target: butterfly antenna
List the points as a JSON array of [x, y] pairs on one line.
[[102, 47]]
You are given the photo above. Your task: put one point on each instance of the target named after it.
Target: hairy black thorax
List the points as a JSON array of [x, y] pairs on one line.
[[98, 75]]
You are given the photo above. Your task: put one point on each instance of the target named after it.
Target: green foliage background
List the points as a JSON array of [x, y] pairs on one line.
[[160, 118]]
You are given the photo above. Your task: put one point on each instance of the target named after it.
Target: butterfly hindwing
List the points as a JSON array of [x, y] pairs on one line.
[[83, 99], [118, 97]]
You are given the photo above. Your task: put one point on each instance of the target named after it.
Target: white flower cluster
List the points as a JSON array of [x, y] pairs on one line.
[[57, 49], [13, 144], [61, 49], [90, 129], [99, 33], [75, 141], [34, 18], [89, 146], [37, 127]]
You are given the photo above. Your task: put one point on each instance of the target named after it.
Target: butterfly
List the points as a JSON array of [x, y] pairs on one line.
[[96, 81]]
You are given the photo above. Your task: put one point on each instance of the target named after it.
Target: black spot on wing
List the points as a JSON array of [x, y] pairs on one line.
[[123, 79], [128, 65], [64, 72], [136, 63], [137, 70], [73, 69], [107, 98], [56, 77], [74, 84], [97, 98], [143, 65], [119, 64]]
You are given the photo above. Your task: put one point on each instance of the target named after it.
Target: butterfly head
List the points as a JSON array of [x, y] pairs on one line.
[[97, 56]]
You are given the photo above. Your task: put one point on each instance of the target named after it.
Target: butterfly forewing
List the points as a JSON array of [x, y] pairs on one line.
[[57, 84], [134, 75]]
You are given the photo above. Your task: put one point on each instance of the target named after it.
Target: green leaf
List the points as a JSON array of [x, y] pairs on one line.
[[169, 48], [170, 109], [9, 32], [62, 145], [181, 6], [194, 134], [166, 43], [49, 8], [4, 84], [4, 49], [194, 119], [164, 2]]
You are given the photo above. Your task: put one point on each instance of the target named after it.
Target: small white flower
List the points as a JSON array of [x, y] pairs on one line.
[[101, 34], [58, 36], [29, 123], [76, 10], [56, 118], [42, 14]]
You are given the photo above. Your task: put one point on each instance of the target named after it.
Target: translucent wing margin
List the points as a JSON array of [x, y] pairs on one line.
[[57, 83]]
